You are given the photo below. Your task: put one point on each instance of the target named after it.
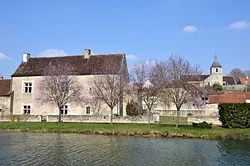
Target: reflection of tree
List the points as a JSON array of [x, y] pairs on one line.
[[234, 152]]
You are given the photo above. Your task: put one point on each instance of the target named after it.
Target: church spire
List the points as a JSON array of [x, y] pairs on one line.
[[216, 62]]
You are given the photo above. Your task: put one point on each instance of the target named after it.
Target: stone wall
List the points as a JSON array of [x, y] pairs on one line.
[[5, 103], [208, 110], [208, 119], [104, 119], [239, 87], [25, 118]]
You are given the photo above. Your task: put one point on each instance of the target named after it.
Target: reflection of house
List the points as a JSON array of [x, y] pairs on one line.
[[216, 76], [25, 80]]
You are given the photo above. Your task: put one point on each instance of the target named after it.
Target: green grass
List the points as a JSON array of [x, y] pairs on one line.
[[52, 127], [172, 120]]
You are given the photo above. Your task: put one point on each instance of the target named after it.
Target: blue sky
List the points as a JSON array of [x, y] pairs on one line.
[[145, 30]]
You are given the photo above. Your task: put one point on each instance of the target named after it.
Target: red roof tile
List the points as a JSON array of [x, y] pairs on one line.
[[228, 97], [5, 87], [245, 80]]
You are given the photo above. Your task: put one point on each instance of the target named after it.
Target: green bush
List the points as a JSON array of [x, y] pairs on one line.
[[235, 115], [217, 87], [131, 109], [203, 125]]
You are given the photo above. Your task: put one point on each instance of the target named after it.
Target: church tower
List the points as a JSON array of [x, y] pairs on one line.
[[216, 67], [216, 74]]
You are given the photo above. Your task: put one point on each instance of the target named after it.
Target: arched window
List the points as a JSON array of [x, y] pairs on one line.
[[216, 70]]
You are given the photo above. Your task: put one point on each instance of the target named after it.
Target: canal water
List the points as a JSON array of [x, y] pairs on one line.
[[78, 149]]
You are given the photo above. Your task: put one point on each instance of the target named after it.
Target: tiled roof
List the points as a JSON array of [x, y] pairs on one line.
[[5, 87], [194, 77], [245, 80], [95, 64], [248, 96], [228, 97], [228, 80]]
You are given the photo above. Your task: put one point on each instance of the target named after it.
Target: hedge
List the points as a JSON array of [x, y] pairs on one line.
[[203, 125], [235, 115]]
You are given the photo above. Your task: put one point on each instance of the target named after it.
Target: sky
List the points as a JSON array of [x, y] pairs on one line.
[[145, 30]]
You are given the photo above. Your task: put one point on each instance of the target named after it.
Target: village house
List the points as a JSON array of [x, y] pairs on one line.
[[6, 96], [18, 95], [215, 76]]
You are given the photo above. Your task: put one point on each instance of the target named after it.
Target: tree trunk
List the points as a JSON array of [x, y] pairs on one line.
[[111, 117], [149, 116], [139, 101], [60, 116], [177, 117]]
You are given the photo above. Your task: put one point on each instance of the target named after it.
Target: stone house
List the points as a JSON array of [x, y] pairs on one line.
[[21, 94], [6, 96]]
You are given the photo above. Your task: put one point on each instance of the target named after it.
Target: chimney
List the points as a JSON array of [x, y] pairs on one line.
[[87, 53], [26, 57]]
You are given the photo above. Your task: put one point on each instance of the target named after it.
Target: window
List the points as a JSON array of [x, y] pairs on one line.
[[87, 110], [27, 87], [208, 83], [26, 109], [216, 70], [64, 110]]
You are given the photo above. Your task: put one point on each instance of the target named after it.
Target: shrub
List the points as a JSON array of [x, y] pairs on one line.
[[131, 109], [17, 118], [217, 87], [203, 125], [235, 115]]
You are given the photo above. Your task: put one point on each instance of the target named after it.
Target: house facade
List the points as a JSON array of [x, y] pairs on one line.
[[6, 96], [24, 84]]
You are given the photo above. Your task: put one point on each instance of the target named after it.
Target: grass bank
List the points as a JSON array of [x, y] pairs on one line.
[[144, 130]]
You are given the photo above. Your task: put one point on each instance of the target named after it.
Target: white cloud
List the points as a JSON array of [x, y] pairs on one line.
[[190, 29], [131, 57], [52, 52], [150, 63], [239, 25], [3, 56]]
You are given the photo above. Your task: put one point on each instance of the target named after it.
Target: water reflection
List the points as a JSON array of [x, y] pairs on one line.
[[79, 149]]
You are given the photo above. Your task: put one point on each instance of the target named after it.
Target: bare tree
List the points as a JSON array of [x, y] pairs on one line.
[[96, 105], [139, 74], [59, 86], [150, 95], [142, 86], [109, 87], [236, 73], [173, 86], [247, 73]]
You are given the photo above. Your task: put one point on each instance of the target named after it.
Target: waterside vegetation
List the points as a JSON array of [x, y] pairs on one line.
[[140, 130]]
